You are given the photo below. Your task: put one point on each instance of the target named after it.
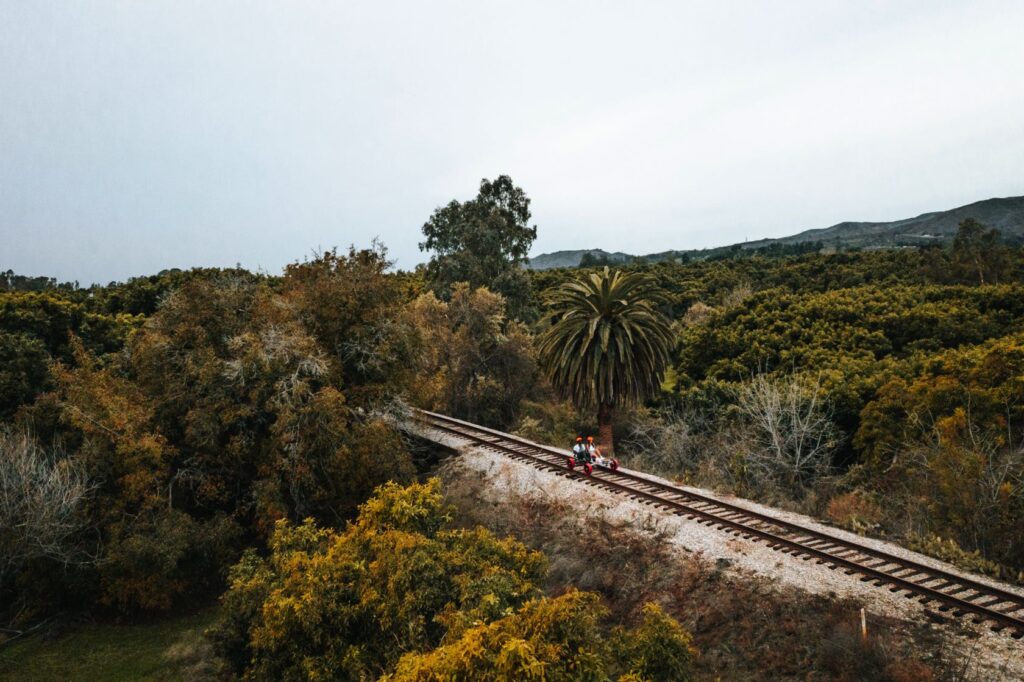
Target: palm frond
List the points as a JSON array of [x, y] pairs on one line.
[[606, 343]]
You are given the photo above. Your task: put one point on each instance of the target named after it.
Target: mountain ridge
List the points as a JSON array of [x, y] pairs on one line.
[[1005, 214]]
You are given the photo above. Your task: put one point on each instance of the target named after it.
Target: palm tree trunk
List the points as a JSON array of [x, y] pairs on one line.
[[604, 429]]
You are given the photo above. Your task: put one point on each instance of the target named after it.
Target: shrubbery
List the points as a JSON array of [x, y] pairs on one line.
[[400, 592], [235, 405], [469, 360]]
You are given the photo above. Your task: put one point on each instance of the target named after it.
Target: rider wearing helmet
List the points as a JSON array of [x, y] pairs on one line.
[[579, 450], [591, 449]]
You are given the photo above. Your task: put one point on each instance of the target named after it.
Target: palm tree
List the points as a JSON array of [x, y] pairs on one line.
[[607, 345]]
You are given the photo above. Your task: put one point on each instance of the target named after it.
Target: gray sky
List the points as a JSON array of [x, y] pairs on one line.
[[137, 136]]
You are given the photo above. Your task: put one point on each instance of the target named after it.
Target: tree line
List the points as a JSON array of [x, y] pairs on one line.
[[168, 423]]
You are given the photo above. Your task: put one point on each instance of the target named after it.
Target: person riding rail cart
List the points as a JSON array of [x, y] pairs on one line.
[[579, 450], [588, 454]]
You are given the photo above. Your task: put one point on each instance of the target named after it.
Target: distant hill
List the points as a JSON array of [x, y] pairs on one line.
[[570, 259], [1006, 215]]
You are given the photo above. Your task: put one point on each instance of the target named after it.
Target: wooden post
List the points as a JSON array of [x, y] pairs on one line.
[[863, 625]]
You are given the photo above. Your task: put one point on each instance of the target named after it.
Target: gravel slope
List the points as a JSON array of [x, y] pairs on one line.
[[994, 655]]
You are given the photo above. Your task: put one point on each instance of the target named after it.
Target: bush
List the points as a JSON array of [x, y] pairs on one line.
[[847, 656], [948, 550], [471, 360], [43, 495], [348, 604], [24, 371], [658, 649], [855, 510], [155, 559], [402, 594], [554, 422], [776, 443], [558, 640]]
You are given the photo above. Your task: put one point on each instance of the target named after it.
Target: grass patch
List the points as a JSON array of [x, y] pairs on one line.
[[164, 650]]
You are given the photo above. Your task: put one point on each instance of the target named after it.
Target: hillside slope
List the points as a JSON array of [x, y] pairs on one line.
[[1005, 214], [501, 485]]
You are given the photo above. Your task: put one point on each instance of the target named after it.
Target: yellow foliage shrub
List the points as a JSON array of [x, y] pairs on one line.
[[399, 593]]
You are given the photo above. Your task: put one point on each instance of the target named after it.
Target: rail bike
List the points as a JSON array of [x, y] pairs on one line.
[[587, 462]]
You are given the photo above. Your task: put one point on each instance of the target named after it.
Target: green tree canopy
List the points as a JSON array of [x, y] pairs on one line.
[[978, 254], [471, 361], [484, 242]]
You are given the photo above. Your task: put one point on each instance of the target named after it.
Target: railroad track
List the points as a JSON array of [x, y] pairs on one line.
[[946, 592]]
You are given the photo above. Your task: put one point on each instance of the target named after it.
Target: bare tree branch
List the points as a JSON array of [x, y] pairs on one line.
[[40, 498]]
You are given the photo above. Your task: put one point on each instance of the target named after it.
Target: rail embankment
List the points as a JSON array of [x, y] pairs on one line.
[[501, 484]]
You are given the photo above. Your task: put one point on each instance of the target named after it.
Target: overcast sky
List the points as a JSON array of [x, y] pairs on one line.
[[138, 136]]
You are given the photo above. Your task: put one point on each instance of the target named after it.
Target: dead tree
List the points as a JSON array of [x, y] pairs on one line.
[[41, 495], [792, 430]]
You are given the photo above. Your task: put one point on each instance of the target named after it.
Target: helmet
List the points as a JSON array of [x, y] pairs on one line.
[[590, 439], [579, 439]]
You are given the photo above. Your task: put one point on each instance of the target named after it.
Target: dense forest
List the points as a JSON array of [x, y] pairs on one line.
[[213, 431]]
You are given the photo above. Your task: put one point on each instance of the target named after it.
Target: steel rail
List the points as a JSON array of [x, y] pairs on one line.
[[739, 520], [794, 528]]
